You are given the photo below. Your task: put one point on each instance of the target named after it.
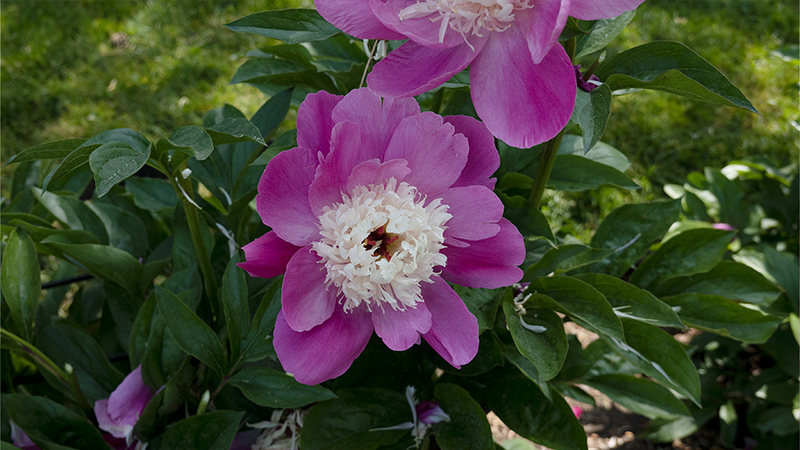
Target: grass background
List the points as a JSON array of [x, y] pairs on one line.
[[77, 68]]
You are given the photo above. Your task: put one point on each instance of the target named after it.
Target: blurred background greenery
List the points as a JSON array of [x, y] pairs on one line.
[[76, 68]]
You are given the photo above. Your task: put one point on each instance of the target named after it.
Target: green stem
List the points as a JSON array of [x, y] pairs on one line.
[[437, 100], [548, 156], [203, 258], [546, 161]]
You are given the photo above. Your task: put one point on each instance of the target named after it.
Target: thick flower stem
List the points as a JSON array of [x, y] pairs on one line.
[[203, 258], [548, 156], [546, 161]]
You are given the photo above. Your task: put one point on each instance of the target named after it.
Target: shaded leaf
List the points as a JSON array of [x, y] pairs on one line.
[[193, 335], [19, 279], [467, 427], [539, 336], [640, 395], [210, 431], [693, 251], [724, 317], [659, 356], [274, 389]]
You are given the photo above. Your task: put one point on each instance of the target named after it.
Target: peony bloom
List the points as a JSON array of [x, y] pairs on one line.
[[20, 439], [377, 206], [118, 414], [522, 81]]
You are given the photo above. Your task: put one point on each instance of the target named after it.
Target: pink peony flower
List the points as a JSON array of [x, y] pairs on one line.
[[118, 414], [20, 439], [522, 81], [377, 206]]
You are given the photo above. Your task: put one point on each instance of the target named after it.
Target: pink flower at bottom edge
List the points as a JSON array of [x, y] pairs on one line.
[[522, 82], [375, 210], [120, 411]]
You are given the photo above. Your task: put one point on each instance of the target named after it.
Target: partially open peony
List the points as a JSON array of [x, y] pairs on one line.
[[521, 79], [377, 206]]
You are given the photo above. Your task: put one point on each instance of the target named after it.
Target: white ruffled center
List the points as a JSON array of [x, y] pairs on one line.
[[380, 242], [467, 17]]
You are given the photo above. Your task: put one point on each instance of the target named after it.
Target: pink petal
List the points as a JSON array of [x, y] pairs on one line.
[[523, 104], [347, 150], [454, 330], [413, 69], [542, 25], [306, 299], [354, 17], [377, 119], [489, 263], [483, 157], [421, 30], [282, 199], [375, 172], [267, 256], [104, 421], [401, 329], [475, 211], [435, 155], [129, 399], [601, 9], [314, 123], [327, 350]]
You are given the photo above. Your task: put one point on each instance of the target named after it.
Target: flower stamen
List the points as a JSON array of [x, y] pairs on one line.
[[467, 17]]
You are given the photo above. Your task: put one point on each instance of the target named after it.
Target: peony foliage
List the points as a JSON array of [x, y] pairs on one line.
[[364, 262]]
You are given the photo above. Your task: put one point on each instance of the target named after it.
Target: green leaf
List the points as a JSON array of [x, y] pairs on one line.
[[724, 317], [782, 268], [539, 336], [347, 422], [281, 72], [19, 279], [65, 344], [233, 130], [49, 150], [778, 421], [591, 114], [73, 213], [114, 162], [601, 152], [671, 67], [71, 165], [659, 356], [727, 279], [602, 33], [109, 263], [192, 140], [482, 303], [125, 230], [728, 423], [577, 173], [632, 302], [50, 425], [193, 335], [152, 194], [234, 303], [577, 299], [630, 230], [521, 405], [640, 395], [467, 427], [274, 389], [667, 430], [210, 431], [563, 258], [270, 116], [693, 251], [527, 217], [291, 26]]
